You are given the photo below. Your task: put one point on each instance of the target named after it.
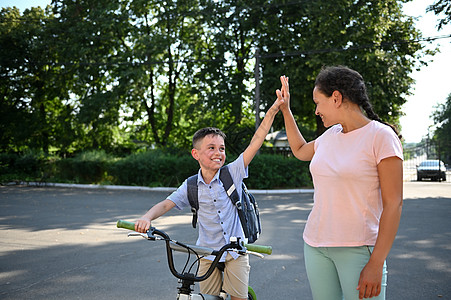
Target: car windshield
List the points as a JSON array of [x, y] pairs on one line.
[[429, 163]]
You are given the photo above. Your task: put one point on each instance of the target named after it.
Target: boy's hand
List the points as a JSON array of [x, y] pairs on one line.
[[283, 95], [265, 125], [276, 106], [142, 225]]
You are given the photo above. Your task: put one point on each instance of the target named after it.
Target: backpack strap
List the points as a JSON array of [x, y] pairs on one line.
[[229, 186], [192, 190]]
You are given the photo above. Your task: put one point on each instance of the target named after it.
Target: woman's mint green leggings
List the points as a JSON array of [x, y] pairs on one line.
[[334, 272]]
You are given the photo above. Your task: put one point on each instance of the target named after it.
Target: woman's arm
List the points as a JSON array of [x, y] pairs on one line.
[[390, 171], [299, 146]]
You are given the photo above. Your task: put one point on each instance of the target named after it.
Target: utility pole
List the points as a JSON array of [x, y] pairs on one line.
[[257, 88]]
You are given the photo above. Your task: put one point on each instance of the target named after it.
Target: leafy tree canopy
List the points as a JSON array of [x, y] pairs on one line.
[[442, 7], [120, 75]]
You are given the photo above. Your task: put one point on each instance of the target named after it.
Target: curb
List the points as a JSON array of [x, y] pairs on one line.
[[144, 188]]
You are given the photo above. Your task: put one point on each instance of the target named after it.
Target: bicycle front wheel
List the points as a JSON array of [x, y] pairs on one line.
[[251, 294]]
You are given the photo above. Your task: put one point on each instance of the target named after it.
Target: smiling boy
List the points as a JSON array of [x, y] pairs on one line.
[[217, 217]]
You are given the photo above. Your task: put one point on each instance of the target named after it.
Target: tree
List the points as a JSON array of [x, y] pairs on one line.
[[224, 81], [372, 37], [165, 37], [132, 64], [88, 38], [31, 110], [102, 75], [441, 6], [442, 134]]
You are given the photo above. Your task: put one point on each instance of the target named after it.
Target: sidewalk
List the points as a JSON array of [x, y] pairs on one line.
[[154, 189]]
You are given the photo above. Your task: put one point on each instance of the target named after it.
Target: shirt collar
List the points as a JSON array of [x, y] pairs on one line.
[[201, 179]]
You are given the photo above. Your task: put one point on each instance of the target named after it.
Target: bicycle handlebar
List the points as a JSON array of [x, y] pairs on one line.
[[177, 246], [251, 247]]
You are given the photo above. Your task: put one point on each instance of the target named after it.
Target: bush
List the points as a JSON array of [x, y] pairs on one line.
[[268, 171], [86, 167], [28, 166], [151, 168]]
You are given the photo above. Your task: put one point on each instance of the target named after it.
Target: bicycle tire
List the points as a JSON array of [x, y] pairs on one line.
[[251, 294]]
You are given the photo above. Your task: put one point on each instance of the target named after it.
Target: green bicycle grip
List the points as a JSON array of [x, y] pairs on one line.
[[125, 224], [259, 248]]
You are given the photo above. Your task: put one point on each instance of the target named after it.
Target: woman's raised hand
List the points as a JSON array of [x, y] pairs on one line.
[[284, 94]]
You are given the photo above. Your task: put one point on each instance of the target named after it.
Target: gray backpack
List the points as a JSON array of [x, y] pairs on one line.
[[247, 206]]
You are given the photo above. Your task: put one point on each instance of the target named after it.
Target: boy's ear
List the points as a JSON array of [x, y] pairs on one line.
[[194, 154]]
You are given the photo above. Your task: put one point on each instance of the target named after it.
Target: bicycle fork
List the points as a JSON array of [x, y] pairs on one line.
[[185, 293], [200, 297]]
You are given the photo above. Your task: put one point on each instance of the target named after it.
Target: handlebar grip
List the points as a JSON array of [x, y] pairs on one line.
[[125, 224], [259, 248]]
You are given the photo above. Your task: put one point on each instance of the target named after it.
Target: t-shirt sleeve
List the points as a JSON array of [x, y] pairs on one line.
[[237, 169], [387, 144], [238, 172], [180, 196]]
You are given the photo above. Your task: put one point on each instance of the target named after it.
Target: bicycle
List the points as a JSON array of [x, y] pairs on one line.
[[188, 279]]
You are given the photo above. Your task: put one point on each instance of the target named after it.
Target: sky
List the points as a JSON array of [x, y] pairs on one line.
[[432, 82]]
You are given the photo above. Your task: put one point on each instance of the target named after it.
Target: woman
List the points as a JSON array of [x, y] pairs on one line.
[[356, 166]]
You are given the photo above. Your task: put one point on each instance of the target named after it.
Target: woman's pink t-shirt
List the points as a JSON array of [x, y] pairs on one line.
[[347, 199]]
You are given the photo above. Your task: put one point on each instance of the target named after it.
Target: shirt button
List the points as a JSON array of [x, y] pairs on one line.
[[219, 211], [214, 200]]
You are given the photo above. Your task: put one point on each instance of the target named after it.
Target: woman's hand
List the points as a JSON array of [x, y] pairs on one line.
[[370, 281], [284, 94]]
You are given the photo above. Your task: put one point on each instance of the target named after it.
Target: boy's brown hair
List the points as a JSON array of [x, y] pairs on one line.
[[201, 133]]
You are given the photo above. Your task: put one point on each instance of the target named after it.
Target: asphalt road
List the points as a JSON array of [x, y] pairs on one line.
[[62, 243]]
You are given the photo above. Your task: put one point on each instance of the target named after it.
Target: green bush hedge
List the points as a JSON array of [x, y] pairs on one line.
[[28, 166], [87, 167], [151, 168], [269, 171]]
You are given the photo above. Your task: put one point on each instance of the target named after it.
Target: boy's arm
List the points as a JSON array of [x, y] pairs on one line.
[[159, 209], [260, 134]]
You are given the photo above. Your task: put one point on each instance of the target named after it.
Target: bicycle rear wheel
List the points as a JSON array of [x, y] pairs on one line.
[[251, 294]]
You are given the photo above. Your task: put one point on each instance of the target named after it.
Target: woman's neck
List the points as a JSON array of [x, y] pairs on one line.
[[354, 120]]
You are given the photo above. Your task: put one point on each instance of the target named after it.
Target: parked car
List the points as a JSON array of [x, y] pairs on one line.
[[433, 168]]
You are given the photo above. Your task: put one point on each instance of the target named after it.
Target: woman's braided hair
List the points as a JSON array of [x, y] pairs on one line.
[[351, 86]]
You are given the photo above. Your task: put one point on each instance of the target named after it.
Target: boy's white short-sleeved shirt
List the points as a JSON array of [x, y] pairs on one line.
[[347, 198], [218, 218]]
